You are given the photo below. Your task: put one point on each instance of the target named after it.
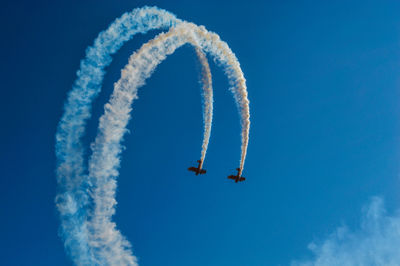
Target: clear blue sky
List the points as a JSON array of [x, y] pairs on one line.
[[324, 84]]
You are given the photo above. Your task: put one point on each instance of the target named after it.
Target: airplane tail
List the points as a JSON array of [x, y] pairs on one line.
[[200, 164], [239, 171]]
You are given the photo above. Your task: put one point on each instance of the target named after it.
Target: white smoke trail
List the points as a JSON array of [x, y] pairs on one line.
[[206, 82], [111, 247], [211, 43], [72, 199], [104, 162]]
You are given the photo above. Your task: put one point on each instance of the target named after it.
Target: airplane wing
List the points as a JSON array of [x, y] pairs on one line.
[[192, 169], [242, 179], [231, 177], [202, 171]]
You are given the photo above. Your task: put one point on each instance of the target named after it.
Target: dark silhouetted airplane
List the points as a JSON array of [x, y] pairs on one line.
[[238, 177], [198, 170]]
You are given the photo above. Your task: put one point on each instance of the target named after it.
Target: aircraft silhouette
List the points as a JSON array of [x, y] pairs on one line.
[[198, 170], [238, 177]]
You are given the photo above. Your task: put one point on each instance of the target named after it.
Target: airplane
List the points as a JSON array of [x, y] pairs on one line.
[[238, 177], [198, 170]]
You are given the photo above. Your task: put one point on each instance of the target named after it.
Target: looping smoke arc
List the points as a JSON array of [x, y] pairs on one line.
[[86, 198]]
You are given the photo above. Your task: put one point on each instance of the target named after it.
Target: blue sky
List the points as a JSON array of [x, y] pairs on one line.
[[323, 81]]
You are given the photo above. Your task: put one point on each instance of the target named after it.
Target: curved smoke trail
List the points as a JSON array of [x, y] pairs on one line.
[[104, 163], [206, 82], [211, 43], [83, 239], [72, 199], [111, 248]]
